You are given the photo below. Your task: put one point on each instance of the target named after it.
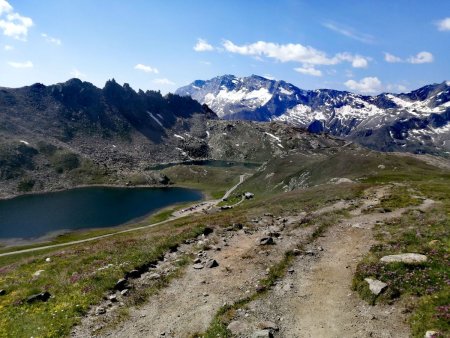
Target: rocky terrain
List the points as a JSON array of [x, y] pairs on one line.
[[228, 266], [417, 121], [74, 134]]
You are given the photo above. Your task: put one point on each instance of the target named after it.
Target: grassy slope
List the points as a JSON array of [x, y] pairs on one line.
[[76, 283]]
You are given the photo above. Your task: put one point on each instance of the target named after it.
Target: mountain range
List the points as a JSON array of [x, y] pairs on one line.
[[418, 121]]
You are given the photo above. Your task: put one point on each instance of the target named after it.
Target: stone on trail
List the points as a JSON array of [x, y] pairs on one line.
[[407, 258], [266, 241], [212, 263], [262, 334], [267, 325], [237, 327], [376, 286], [100, 310], [198, 266]]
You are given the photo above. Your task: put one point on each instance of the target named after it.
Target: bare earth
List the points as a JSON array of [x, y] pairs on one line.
[[313, 300]]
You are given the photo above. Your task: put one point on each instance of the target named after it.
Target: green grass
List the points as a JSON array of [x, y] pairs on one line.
[[74, 280], [425, 286]]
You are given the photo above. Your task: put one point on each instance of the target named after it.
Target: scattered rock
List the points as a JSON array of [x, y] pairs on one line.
[[266, 241], [212, 263], [198, 266], [124, 292], [100, 310], [431, 334], [262, 334], [341, 180], [38, 273], [48, 259], [319, 248], [381, 166], [154, 276], [267, 325], [296, 252], [2, 292], [248, 195], [121, 284], [407, 258], [197, 260], [43, 297], [133, 274], [376, 286], [112, 298]]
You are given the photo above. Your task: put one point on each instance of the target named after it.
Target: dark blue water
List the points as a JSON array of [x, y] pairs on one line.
[[210, 163], [31, 216]]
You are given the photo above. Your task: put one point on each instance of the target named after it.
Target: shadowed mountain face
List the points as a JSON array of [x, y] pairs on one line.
[[73, 133], [418, 121]]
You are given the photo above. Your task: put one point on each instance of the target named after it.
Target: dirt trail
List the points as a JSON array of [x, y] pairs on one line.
[[319, 301]]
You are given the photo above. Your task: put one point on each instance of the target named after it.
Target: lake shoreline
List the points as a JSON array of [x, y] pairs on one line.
[[144, 197]]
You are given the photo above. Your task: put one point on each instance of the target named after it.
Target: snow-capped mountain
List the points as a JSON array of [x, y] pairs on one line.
[[418, 121]]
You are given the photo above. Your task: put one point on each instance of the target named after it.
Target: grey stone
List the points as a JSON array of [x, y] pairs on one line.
[[407, 258], [100, 310], [2, 292], [124, 292], [266, 241], [133, 274], [43, 297], [212, 263], [267, 325], [237, 327], [431, 334], [198, 266], [376, 286], [113, 298], [262, 334], [154, 276], [197, 260], [121, 284]]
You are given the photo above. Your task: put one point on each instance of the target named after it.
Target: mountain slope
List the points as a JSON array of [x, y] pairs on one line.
[[73, 133], [417, 121]]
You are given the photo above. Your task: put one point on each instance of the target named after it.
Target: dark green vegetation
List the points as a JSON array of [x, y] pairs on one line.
[[73, 276]]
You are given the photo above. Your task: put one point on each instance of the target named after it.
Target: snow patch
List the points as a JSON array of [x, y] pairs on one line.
[[24, 142], [273, 136], [179, 136], [154, 118]]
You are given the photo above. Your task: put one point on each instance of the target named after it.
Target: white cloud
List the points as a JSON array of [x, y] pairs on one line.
[[5, 7], [308, 70], [206, 63], [164, 81], [13, 24], [444, 24], [203, 46], [391, 58], [306, 55], [8, 48], [146, 68], [76, 73], [422, 57], [51, 39], [398, 88], [26, 64], [349, 32], [367, 85]]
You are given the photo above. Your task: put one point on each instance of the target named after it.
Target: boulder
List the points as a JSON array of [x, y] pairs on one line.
[[407, 258], [267, 240], [133, 274], [121, 284], [376, 286], [43, 297], [212, 263], [431, 334]]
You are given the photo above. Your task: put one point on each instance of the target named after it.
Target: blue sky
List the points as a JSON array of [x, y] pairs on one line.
[[362, 46]]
